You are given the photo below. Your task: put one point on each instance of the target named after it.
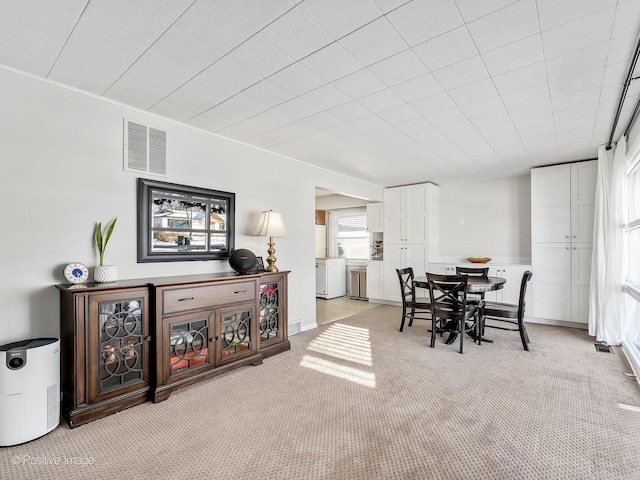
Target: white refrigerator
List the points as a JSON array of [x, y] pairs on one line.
[[331, 281]]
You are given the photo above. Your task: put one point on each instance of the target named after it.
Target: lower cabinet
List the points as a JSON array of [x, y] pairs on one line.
[[402, 256], [375, 282], [116, 353]]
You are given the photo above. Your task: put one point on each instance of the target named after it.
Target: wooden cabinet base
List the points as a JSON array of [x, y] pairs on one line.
[[88, 413], [275, 349], [163, 392]]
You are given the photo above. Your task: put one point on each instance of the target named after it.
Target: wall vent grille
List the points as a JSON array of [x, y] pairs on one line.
[[294, 327], [145, 149], [602, 348]]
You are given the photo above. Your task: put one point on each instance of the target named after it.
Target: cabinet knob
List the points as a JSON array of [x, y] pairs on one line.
[[574, 236], [574, 248], [566, 236], [148, 338], [566, 248]]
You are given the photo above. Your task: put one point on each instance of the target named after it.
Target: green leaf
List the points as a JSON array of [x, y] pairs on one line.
[[100, 240]]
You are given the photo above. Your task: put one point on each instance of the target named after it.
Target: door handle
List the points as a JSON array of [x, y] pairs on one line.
[[186, 299]]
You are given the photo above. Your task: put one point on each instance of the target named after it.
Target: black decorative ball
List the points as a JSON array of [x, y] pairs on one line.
[[242, 260]]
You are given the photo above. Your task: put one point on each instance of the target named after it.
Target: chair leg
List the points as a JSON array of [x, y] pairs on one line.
[[413, 312], [404, 315], [462, 326], [433, 331], [524, 337]]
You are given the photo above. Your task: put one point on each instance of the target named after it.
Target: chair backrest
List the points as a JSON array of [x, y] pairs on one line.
[[473, 272], [448, 295], [407, 288], [526, 276]]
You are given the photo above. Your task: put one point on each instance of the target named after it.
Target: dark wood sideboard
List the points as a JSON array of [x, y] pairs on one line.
[[131, 341]]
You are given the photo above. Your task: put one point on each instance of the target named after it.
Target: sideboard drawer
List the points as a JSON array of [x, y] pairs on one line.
[[190, 298]]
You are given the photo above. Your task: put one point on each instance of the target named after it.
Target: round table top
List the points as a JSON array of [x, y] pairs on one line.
[[474, 284]]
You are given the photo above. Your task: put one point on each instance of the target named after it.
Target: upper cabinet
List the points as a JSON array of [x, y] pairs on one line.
[[411, 214], [562, 202], [375, 217]]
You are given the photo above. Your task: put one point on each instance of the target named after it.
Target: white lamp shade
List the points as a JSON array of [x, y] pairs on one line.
[[270, 224]]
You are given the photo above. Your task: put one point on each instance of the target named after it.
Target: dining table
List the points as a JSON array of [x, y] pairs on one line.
[[474, 285]]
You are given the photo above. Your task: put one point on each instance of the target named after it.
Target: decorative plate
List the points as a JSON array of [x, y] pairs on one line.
[[76, 273], [478, 259]]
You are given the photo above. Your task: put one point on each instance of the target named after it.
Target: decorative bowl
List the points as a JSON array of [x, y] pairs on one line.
[[478, 259]]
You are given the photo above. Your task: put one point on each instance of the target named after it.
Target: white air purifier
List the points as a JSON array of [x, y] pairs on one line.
[[29, 389]]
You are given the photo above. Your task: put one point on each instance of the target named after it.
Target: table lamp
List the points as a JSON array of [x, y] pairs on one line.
[[270, 225]]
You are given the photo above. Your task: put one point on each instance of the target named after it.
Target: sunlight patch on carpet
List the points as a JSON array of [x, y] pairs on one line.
[[345, 343]]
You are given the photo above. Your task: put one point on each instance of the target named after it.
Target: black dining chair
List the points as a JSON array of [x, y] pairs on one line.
[[413, 308], [509, 313], [474, 298], [449, 309]]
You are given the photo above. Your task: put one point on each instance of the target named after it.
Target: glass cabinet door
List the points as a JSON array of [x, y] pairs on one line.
[[187, 343], [270, 315], [235, 332], [118, 344]]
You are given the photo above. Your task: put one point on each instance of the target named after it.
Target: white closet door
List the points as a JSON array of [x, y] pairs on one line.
[[583, 199], [580, 277], [551, 204], [551, 281]]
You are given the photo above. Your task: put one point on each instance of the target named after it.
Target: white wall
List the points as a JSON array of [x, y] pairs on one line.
[[61, 172], [497, 220]]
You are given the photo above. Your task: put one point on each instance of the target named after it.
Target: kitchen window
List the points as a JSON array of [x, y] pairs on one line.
[[348, 236]]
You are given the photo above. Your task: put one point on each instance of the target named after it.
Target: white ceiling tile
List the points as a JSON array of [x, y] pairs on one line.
[[399, 114], [577, 62], [581, 33], [487, 106], [446, 49], [337, 17], [380, 101], [260, 56], [531, 110], [576, 83], [342, 130], [417, 88], [615, 74], [244, 130], [621, 49], [515, 55], [420, 21], [185, 50], [446, 117], [626, 19], [461, 73], [434, 104], [268, 92], [349, 111], [27, 49], [91, 74], [167, 10], [386, 6], [322, 120], [359, 140], [473, 9], [536, 126], [535, 94], [297, 78], [273, 118], [230, 73], [326, 97], [473, 92], [498, 125], [296, 34], [521, 78], [332, 62], [369, 123], [53, 21], [139, 90], [578, 99], [200, 93], [227, 113], [399, 68], [213, 26], [129, 21], [586, 114], [169, 110], [359, 84], [255, 14], [413, 125], [553, 13], [504, 26], [374, 42], [297, 108]]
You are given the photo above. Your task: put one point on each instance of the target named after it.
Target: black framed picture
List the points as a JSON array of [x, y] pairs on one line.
[[179, 222], [259, 265]]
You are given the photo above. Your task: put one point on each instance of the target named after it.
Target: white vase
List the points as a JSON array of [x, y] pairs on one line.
[[105, 273]]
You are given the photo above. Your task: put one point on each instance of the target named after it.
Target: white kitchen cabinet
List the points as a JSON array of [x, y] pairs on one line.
[[331, 277], [562, 211], [375, 217], [410, 232], [375, 280]]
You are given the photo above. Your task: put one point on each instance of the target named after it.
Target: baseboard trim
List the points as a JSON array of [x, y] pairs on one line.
[[632, 353]]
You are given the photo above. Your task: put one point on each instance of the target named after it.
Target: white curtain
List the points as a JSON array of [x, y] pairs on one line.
[[608, 319]]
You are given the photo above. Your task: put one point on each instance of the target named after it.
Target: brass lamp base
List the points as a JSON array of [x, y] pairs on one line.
[[271, 260]]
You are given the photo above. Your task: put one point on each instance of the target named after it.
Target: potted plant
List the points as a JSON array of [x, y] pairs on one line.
[[104, 273]]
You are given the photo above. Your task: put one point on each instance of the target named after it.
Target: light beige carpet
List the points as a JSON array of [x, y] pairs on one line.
[[356, 399]]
